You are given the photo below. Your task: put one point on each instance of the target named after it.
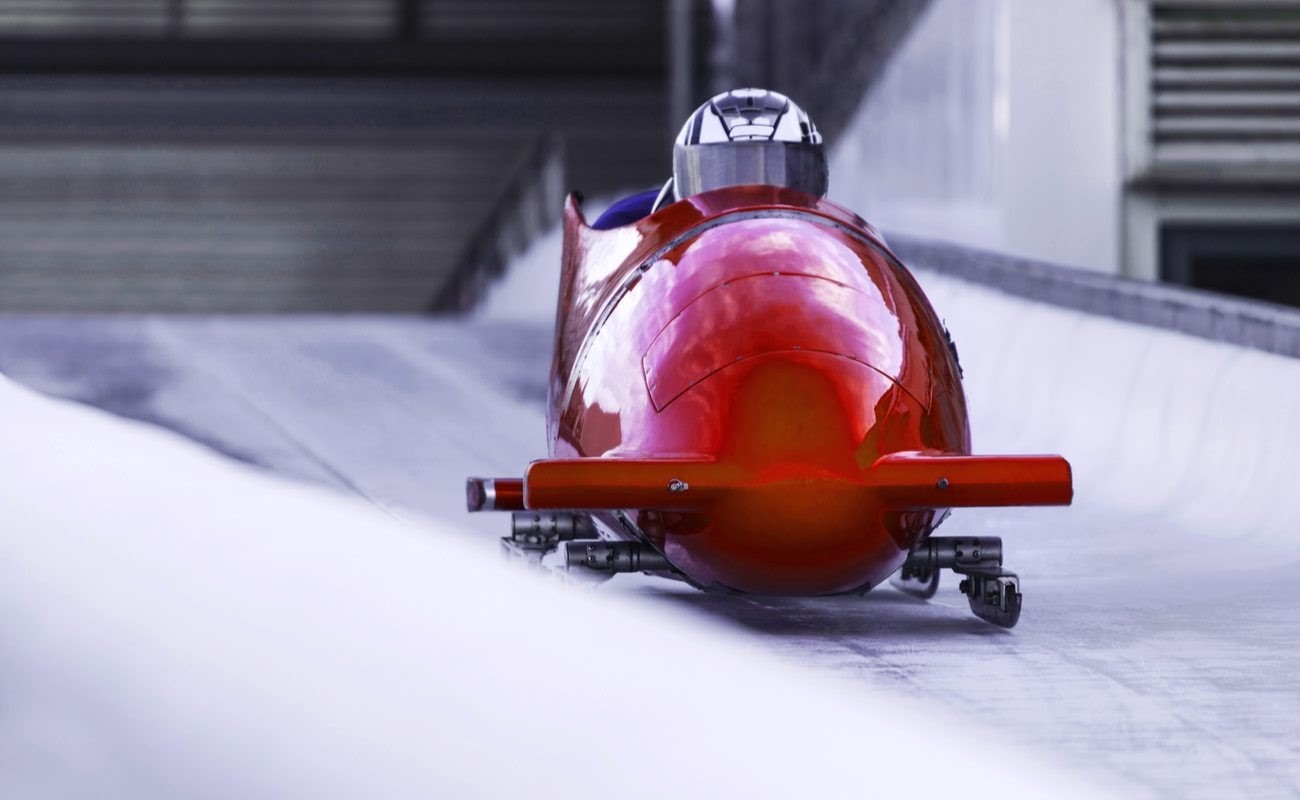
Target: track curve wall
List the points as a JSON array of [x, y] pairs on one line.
[[1128, 381]]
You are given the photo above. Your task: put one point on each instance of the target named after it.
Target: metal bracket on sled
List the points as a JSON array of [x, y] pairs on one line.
[[610, 557], [994, 595], [993, 592], [533, 534]]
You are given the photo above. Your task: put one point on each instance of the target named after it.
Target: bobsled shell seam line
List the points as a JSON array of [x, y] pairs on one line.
[[634, 274], [775, 351]]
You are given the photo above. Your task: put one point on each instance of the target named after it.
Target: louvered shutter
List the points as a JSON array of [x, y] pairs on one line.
[[290, 19], [83, 18], [201, 19], [1221, 85]]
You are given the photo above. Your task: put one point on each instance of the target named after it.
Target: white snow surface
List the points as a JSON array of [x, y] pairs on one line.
[[177, 625]]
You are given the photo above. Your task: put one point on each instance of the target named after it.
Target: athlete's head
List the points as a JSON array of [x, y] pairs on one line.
[[749, 136]]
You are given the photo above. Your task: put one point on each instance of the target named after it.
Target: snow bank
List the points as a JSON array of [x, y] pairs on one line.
[[176, 625]]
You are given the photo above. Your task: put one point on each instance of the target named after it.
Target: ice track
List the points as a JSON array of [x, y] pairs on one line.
[[1160, 643]]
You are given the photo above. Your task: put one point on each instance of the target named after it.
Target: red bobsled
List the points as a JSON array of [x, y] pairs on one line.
[[749, 392]]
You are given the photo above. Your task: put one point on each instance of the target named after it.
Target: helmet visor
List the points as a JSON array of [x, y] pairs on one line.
[[795, 165]]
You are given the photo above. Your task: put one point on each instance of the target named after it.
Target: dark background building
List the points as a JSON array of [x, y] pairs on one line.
[[270, 155], [377, 155], [390, 155]]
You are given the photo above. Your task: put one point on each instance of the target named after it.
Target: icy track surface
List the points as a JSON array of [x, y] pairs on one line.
[[176, 625], [1159, 645]]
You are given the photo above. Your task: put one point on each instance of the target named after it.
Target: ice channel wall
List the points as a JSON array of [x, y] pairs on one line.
[[1156, 421]]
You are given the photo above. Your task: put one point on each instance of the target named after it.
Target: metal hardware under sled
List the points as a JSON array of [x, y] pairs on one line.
[[992, 592]]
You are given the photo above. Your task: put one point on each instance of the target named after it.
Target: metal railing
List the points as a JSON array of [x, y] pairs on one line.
[[527, 207], [1247, 323]]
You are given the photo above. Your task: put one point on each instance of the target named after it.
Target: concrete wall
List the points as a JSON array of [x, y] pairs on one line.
[[996, 125]]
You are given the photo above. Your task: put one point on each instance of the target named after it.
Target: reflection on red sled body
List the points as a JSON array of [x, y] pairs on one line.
[[751, 393]]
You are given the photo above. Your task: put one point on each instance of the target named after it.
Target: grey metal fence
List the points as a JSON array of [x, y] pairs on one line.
[[1247, 323]]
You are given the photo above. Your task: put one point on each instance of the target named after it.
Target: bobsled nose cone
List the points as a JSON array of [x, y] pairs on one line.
[[800, 536], [805, 524]]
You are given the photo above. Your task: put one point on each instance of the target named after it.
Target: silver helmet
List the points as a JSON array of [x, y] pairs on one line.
[[748, 136]]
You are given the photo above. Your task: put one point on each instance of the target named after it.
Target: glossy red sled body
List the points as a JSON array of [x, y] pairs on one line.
[[761, 391]]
